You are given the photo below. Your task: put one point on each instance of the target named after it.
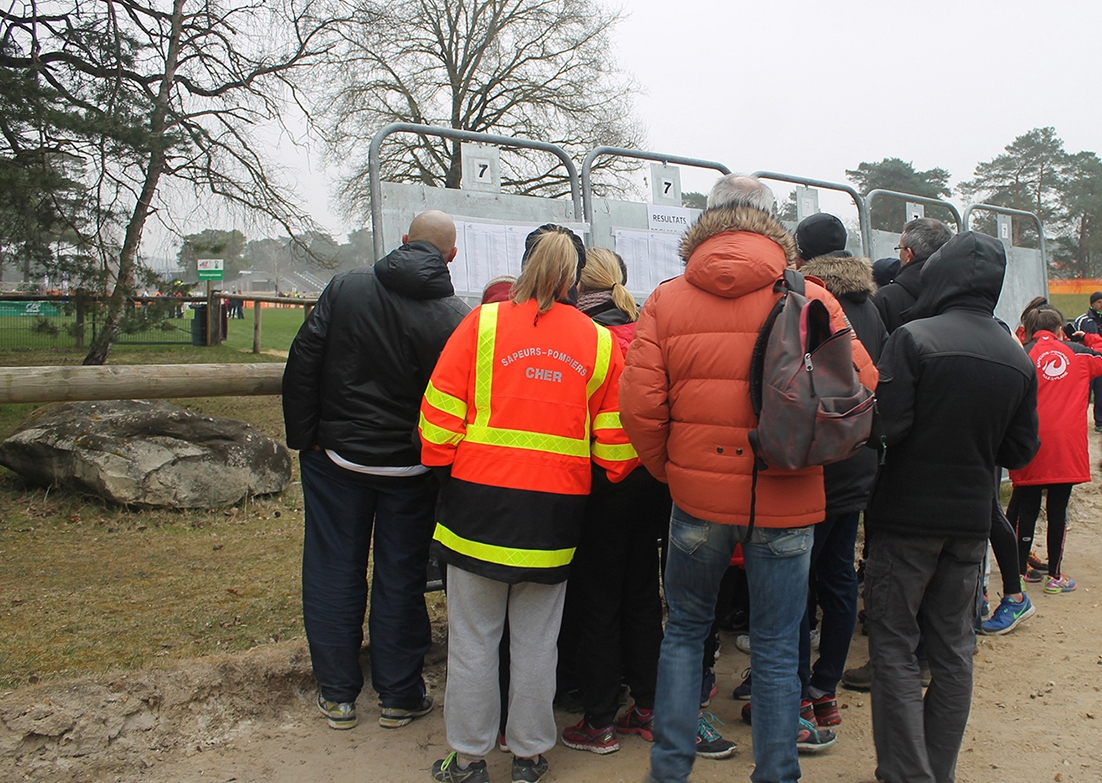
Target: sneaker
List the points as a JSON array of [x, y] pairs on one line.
[[636, 721], [1033, 576], [709, 743], [502, 745], [742, 642], [708, 687], [341, 715], [529, 770], [810, 739], [447, 770], [859, 679], [816, 635], [1060, 584], [396, 717], [1008, 614], [924, 674], [742, 692], [826, 710], [1035, 562], [582, 736], [745, 713], [1098, 427]]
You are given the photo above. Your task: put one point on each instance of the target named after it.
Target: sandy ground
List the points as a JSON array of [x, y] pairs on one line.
[[1036, 714]]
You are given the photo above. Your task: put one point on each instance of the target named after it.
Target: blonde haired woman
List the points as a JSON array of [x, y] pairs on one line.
[[603, 296], [521, 405]]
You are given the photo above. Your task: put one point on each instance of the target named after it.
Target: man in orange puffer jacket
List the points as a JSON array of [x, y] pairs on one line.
[[685, 404]]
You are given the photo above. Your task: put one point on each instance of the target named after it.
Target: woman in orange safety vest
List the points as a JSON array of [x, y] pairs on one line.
[[522, 402]]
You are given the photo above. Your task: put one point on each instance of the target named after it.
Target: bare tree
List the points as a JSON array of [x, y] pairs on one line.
[[537, 69], [176, 90]]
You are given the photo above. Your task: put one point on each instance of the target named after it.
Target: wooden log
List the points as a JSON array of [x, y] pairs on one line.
[[137, 382]]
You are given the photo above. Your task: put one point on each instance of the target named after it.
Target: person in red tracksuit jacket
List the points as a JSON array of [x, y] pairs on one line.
[[1064, 373]]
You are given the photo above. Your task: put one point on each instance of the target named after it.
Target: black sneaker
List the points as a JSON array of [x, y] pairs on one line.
[[811, 739], [396, 717], [528, 770], [447, 770], [709, 743]]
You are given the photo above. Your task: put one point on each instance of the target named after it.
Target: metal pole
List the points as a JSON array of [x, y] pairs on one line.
[[862, 207], [587, 168], [872, 195], [1020, 213], [256, 325], [374, 166]]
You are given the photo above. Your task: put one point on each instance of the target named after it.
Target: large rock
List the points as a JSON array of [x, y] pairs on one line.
[[146, 453]]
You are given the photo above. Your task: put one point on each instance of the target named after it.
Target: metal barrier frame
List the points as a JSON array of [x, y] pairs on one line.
[[374, 165], [1019, 213], [872, 195], [621, 152], [862, 207]]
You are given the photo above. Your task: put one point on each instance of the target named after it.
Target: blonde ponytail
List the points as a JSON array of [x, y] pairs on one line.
[[604, 272]]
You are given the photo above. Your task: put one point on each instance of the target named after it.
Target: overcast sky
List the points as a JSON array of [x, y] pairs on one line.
[[814, 88]]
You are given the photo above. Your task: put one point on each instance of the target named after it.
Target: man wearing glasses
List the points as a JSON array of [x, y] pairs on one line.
[[920, 239]]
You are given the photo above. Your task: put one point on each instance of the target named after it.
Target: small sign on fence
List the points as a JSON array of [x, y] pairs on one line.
[[210, 268], [44, 309]]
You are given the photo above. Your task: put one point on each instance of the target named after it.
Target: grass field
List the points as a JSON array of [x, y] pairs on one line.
[[86, 588], [1071, 305]]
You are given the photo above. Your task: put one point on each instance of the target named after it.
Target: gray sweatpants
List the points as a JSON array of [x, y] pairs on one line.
[[918, 738], [477, 608]]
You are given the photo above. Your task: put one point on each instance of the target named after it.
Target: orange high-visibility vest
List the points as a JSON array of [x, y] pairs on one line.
[[520, 402]]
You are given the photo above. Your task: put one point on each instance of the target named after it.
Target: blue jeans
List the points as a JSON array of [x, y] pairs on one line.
[[343, 510], [777, 562]]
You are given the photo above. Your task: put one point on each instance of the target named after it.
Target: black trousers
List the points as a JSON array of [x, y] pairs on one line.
[[613, 594], [1056, 508]]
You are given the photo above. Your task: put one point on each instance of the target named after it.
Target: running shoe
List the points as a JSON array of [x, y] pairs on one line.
[[1033, 576], [742, 692], [340, 715], [1060, 584], [447, 770], [1008, 615], [816, 635], [709, 742], [582, 736], [637, 721], [742, 642], [396, 717], [1035, 562], [529, 770], [859, 679], [810, 739], [826, 710], [708, 687]]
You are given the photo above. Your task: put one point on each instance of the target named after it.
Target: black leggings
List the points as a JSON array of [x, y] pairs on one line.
[[1004, 543], [1029, 499]]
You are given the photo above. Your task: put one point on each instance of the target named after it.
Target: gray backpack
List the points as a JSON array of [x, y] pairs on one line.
[[810, 405]]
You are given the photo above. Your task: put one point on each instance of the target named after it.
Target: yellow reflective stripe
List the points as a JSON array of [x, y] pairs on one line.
[[484, 362], [534, 441], [614, 452], [607, 421], [601, 363], [445, 402], [438, 435], [506, 556]]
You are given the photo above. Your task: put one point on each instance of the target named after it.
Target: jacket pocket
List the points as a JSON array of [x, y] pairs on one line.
[[687, 532], [877, 587]]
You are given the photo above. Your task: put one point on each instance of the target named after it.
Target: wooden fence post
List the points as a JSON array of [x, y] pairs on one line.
[[256, 325]]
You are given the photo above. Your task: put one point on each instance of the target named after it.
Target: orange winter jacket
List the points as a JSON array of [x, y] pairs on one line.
[[685, 390]]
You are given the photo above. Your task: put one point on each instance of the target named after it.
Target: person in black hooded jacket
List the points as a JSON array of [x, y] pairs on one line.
[[957, 396], [847, 484], [352, 393], [920, 239]]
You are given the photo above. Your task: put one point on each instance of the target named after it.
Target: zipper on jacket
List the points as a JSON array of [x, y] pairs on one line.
[[883, 449]]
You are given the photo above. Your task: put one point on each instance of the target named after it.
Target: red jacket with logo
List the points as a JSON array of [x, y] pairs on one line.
[[1064, 373]]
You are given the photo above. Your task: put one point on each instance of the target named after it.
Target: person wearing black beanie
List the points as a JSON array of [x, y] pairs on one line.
[[820, 235]]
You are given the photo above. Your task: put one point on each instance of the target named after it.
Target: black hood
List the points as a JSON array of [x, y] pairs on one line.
[[966, 273], [415, 270]]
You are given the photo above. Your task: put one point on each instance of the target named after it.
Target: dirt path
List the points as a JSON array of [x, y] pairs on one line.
[[1037, 713]]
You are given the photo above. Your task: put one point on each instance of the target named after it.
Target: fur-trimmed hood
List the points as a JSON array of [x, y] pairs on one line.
[[730, 252], [722, 219], [843, 275]]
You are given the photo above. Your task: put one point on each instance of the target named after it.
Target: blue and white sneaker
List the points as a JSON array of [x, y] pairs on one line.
[[1009, 615]]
